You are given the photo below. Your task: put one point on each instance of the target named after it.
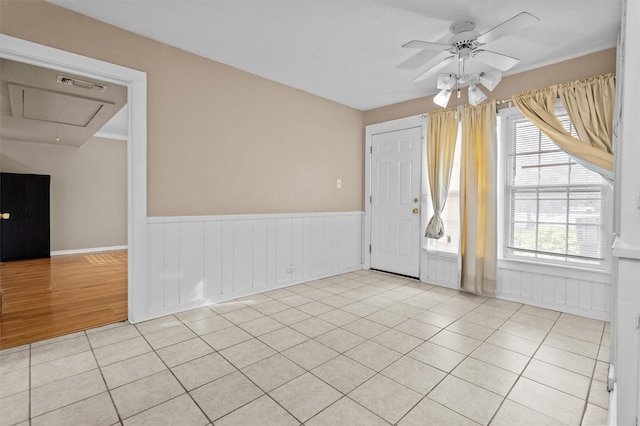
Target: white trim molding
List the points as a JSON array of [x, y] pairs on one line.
[[209, 218], [136, 82], [199, 260], [113, 136], [87, 250]]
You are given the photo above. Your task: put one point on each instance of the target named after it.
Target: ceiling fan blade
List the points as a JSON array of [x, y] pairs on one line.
[[496, 60], [518, 22], [418, 44], [416, 61], [438, 64]]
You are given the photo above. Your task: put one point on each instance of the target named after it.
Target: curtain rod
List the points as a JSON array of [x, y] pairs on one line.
[[500, 103], [509, 101]]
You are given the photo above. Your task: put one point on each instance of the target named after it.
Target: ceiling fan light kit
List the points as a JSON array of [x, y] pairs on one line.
[[464, 45]]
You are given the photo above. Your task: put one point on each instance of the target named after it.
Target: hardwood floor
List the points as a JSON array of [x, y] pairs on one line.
[[46, 298]]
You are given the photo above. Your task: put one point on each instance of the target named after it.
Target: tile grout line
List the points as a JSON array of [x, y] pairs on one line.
[[277, 353], [73, 375], [247, 377], [378, 308], [346, 395], [526, 365], [352, 400], [257, 336], [306, 370], [447, 374], [313, 338], [234, 366], [115, 407], [170, 371], [503, 398], [543, 384], [226, 375], [595, 364], [371, 340]]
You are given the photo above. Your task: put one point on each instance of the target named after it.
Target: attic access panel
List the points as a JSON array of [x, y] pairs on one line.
[[42, 105], [53, 107]]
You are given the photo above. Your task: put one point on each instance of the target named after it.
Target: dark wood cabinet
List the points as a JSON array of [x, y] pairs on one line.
[[25, 223]]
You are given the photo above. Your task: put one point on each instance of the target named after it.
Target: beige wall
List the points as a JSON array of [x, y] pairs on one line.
[[220, 141], [88, 189], [574, 69]]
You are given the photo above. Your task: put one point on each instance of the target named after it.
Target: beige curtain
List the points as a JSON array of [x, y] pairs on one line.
[[478, 199], [590, 107], [441, 144]]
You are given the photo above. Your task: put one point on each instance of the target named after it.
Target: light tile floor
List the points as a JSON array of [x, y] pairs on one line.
[[363, 348]]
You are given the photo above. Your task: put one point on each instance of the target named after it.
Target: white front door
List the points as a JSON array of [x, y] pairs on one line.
[[395, 201]]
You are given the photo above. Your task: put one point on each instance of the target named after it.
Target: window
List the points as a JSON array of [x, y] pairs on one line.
[[554, 206], [450, 242]]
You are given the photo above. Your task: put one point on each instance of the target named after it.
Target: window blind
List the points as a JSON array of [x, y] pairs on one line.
[[555, 205]]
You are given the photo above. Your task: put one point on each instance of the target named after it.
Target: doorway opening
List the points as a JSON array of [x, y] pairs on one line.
[[135, 83], [63, 191]]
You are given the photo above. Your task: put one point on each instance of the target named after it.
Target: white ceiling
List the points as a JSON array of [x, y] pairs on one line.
[[348, 50], [36, 107]]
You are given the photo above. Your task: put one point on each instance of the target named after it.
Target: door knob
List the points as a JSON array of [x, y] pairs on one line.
[[5, 215], [416, 211]]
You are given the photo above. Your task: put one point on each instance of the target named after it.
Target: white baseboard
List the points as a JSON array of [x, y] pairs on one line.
[[612, 414], [176, 309], [441, 283], [87, 250], [560, 307]]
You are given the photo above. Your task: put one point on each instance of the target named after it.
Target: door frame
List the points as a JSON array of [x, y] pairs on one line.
[[370, 131], [136, 82]]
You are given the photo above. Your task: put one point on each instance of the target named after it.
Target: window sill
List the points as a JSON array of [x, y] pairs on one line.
[[556, 270], [623, 249]]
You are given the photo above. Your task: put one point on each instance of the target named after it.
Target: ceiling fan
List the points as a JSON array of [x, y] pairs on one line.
[[465, 44]]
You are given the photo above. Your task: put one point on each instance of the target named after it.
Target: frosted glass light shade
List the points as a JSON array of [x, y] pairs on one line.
[[476, 96], [447, 81], [490, 79], [442, 98]]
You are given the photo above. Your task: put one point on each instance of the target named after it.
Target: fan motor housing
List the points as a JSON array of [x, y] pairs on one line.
[[464, 35], [466, 39]]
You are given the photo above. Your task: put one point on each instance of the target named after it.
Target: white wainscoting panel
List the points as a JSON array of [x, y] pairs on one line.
[[576, 292], [441, 270], [198, 260], [562, 289]]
